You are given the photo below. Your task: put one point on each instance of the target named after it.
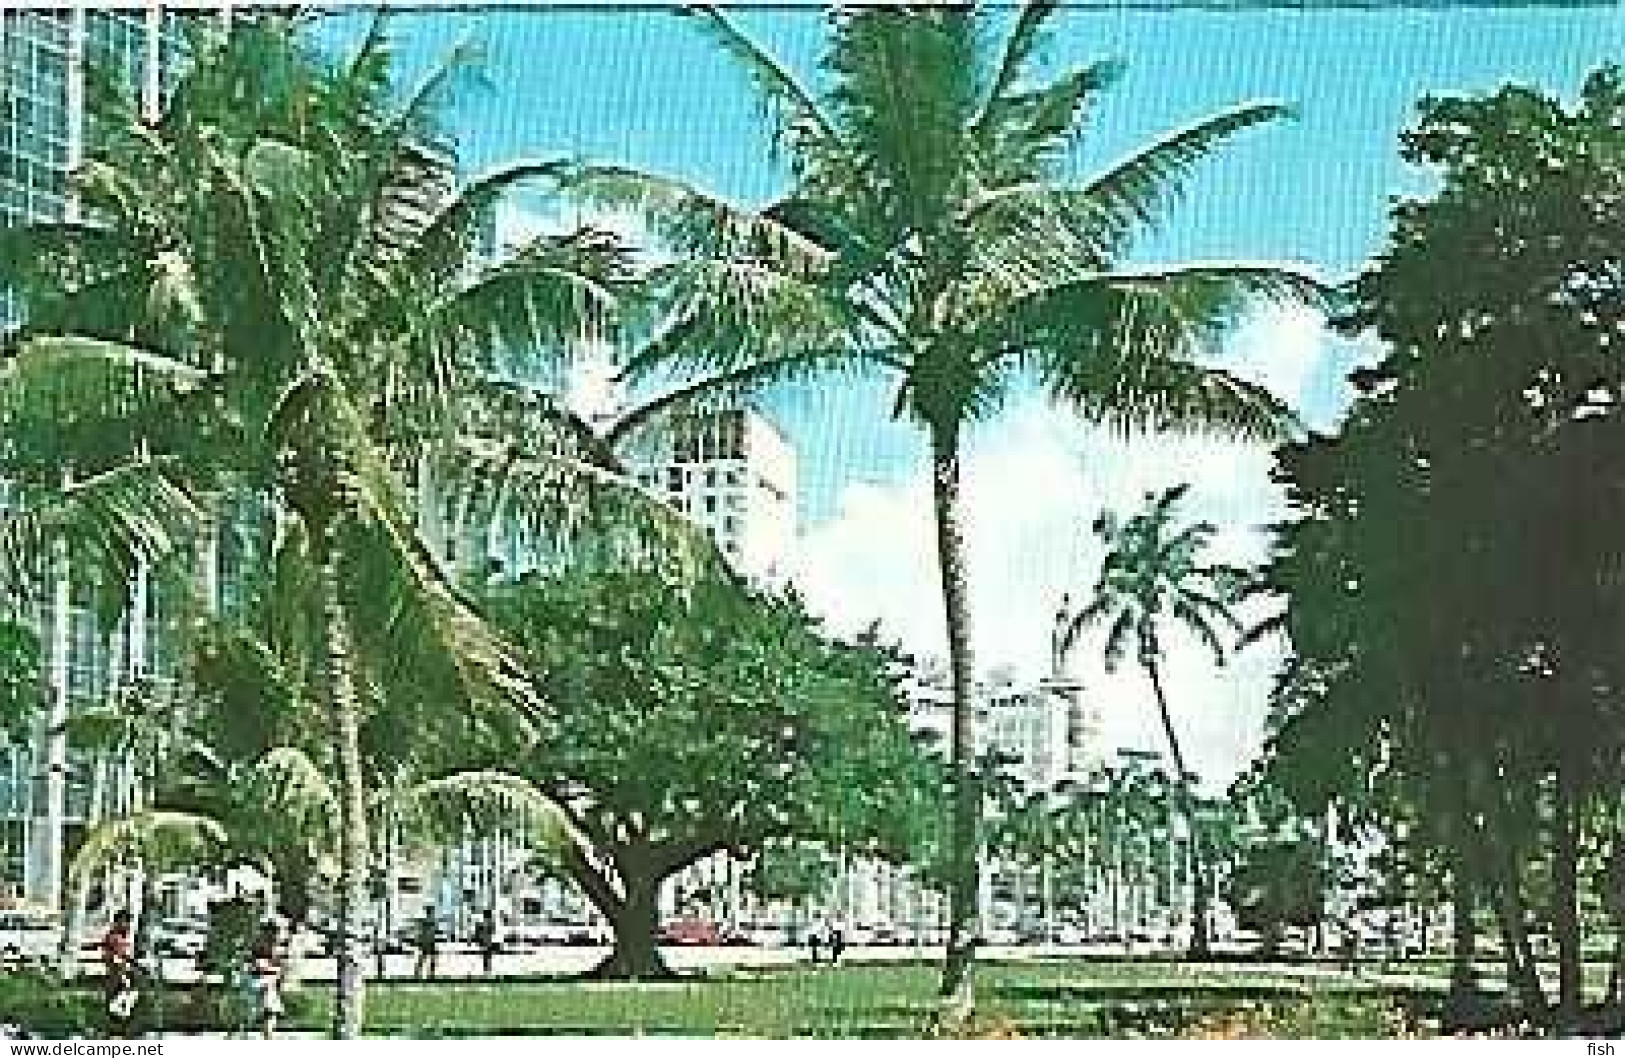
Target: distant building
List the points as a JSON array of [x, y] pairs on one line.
[[1033, 726], [734, 474]]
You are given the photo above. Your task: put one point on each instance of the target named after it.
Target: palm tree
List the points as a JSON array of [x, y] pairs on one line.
[[934, 234], [1154, 573], [280, 297]]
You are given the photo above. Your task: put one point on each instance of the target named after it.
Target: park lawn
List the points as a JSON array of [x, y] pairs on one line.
[[1060, 999]]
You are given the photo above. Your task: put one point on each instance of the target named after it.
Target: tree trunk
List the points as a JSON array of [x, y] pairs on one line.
[[345, 722], [1200, 898], [635, 919], [43, 878], [1612, 891], [1523, 978], [1463, 978], [956, 989], [1566, 884]]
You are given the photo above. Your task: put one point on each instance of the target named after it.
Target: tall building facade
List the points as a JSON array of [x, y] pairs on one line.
[[49, 59], [734, 474]]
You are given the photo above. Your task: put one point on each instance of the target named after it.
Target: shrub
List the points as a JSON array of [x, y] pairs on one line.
[[38, 1003]]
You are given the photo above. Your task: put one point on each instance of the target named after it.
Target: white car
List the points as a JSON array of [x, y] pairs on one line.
[[1070, 935], [180, 938], [29, 933]]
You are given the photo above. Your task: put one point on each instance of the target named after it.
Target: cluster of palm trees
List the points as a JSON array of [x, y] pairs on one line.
[[1109, 854], [276, 314]]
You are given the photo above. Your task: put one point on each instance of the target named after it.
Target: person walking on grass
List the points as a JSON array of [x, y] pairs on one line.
[[485, 938], [265, 978], [428, 944], [118, 975]]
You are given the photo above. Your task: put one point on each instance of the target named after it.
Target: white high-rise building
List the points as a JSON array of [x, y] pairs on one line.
[[1032, 726], [734, 474]]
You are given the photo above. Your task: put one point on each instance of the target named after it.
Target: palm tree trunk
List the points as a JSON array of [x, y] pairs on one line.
[[957, 987], [1199, 878], [51, 759], [344, 718]]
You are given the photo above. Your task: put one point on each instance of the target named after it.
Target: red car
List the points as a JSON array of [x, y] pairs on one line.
[[691, 931]]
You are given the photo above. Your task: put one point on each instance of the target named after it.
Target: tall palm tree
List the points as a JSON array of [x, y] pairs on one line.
[[281, 295], [935, 233], [1154, 573]]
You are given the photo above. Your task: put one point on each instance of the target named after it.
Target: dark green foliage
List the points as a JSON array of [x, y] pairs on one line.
[[1278, 884], [21, 679], [697, 718], [233, 927], [1454, 570], [38, 1002]]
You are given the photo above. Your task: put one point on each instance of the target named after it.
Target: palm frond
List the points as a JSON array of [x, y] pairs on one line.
[[566, 509], [1027, 134], [1177, 396], [1020, 47], [1194, 619], [697, 225], [158, 839], [120, 517], [488, 802], [797, 122], [452, 234], [286, 783], [728, 315], [1120, 346], [1118, 637], [489, 667], [1140, 189], [730, 389], [40, 357], [526, 305]]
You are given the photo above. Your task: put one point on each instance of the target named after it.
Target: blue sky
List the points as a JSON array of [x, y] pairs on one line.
[[639, 86]]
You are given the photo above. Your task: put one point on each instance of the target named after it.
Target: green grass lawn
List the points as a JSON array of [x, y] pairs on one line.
[[1040, 999]]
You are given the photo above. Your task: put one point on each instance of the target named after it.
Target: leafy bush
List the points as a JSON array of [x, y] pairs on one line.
[[38, 1003]]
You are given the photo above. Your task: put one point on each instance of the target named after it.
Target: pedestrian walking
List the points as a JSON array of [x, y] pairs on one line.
[[265, 978], [118, 975], [428, 944], [837, 945], [815, 943], [485, 937]]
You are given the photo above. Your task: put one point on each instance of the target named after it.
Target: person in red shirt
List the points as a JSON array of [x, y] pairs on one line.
[[118, 972]]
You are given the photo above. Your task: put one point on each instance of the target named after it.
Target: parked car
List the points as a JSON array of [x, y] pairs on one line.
[[538, 934], [180, 938], [1070, 935], [691, 932], [589, 934]]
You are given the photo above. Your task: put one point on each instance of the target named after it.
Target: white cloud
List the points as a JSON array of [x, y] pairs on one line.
[[1033, 484]]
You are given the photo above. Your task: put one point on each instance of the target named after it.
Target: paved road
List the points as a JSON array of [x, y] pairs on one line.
[[567, 960], [575, 959]]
